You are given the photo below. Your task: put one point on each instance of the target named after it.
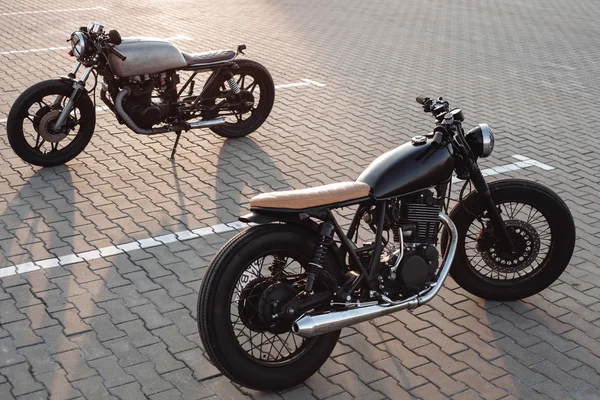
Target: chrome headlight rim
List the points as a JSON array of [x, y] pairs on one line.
[[487, 140], [78, 44]]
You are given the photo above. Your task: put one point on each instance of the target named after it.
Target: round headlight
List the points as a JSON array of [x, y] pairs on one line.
[[78, 44], [481, 140]]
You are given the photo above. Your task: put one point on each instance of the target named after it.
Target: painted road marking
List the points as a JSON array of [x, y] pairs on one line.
[[52, 11], [170, 39], [306, 82], [524, 162]]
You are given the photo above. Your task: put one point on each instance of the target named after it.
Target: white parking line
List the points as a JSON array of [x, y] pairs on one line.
[[181, 236], [281, 86], [52, 11], [524, 162], [171, 39]]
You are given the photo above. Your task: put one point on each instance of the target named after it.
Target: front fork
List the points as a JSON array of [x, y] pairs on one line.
[[486, 197], [78, 90]]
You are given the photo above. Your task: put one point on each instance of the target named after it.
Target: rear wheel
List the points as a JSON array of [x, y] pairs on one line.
[[246, 284], [250, 108], [541, 228], [30, 124]]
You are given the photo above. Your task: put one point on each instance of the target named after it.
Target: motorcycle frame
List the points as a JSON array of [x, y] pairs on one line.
[[216, 68], [367, 273]]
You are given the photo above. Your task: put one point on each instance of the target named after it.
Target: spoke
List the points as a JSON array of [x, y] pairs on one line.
[[520, 209], [37, 142], [272, 346], [252, 87], [54, 147], [39, 145], [479, 262], [279, 351], [30, 117]]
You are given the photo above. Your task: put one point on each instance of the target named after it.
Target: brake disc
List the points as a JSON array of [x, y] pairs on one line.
[[46, 127], [527, 247]]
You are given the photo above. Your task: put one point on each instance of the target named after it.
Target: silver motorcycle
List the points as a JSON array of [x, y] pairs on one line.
[[51, 122]]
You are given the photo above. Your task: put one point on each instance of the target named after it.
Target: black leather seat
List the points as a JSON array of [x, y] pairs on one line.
[[208, 57]]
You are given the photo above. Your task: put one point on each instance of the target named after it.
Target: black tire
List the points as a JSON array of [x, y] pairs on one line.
[[560, 245], [265, 104], [214, 302], [19, 113]]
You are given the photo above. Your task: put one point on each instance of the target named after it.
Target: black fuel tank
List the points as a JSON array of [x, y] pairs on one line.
[[408, 168]]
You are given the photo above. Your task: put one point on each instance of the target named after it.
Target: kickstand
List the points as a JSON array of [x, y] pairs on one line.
[[175, 145]]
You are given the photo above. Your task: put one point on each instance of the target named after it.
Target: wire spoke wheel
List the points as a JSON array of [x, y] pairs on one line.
[[248, 303], [541, 229], [266, 283], [530, 233]]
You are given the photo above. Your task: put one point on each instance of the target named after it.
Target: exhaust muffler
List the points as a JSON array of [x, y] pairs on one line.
[[314, 325]]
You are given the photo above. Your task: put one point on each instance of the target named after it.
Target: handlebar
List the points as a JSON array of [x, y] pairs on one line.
[[117, 53], [438, 136]]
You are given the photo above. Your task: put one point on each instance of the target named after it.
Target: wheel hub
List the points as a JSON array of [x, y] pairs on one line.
[[249, 303], [246, 101], [271, 303], [526, 242], [46, 127]]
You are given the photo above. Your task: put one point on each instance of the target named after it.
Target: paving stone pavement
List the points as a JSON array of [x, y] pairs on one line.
[[123, 326]]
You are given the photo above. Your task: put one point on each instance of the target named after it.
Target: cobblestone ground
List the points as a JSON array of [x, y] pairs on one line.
[[123, 325]]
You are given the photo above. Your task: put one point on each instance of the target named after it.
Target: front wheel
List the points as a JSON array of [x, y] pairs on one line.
[[30, 124], [247, 111], [244, 288], [541, 228]]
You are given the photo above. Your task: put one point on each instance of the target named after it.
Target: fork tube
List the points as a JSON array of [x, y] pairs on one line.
[[74, 70], [78, 88]]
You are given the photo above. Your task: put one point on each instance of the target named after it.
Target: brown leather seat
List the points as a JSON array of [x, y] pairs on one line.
[[208, 57], [311, 197]]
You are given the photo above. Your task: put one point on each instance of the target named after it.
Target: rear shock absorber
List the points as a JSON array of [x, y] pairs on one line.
[[316, 265], [233, 85]]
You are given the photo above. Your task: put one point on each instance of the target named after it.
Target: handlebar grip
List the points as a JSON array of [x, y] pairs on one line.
[[421, 99], [118, 53]]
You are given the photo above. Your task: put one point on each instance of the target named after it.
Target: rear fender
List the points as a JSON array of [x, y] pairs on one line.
[[294, 218]]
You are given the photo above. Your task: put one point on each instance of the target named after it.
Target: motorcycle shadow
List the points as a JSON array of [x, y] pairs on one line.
[[244, 168], [39, 218]]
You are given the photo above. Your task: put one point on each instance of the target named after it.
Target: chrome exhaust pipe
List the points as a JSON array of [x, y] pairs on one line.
[[313, 325], [161, 129], [207, 123]]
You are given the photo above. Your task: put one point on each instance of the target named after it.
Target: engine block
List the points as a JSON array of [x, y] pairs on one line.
[[419, 218]]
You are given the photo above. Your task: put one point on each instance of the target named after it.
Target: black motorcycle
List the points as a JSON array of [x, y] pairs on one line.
[[275, 297], [53, 121]]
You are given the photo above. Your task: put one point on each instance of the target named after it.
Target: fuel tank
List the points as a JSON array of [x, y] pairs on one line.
[[145, 56], [408, 168]]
